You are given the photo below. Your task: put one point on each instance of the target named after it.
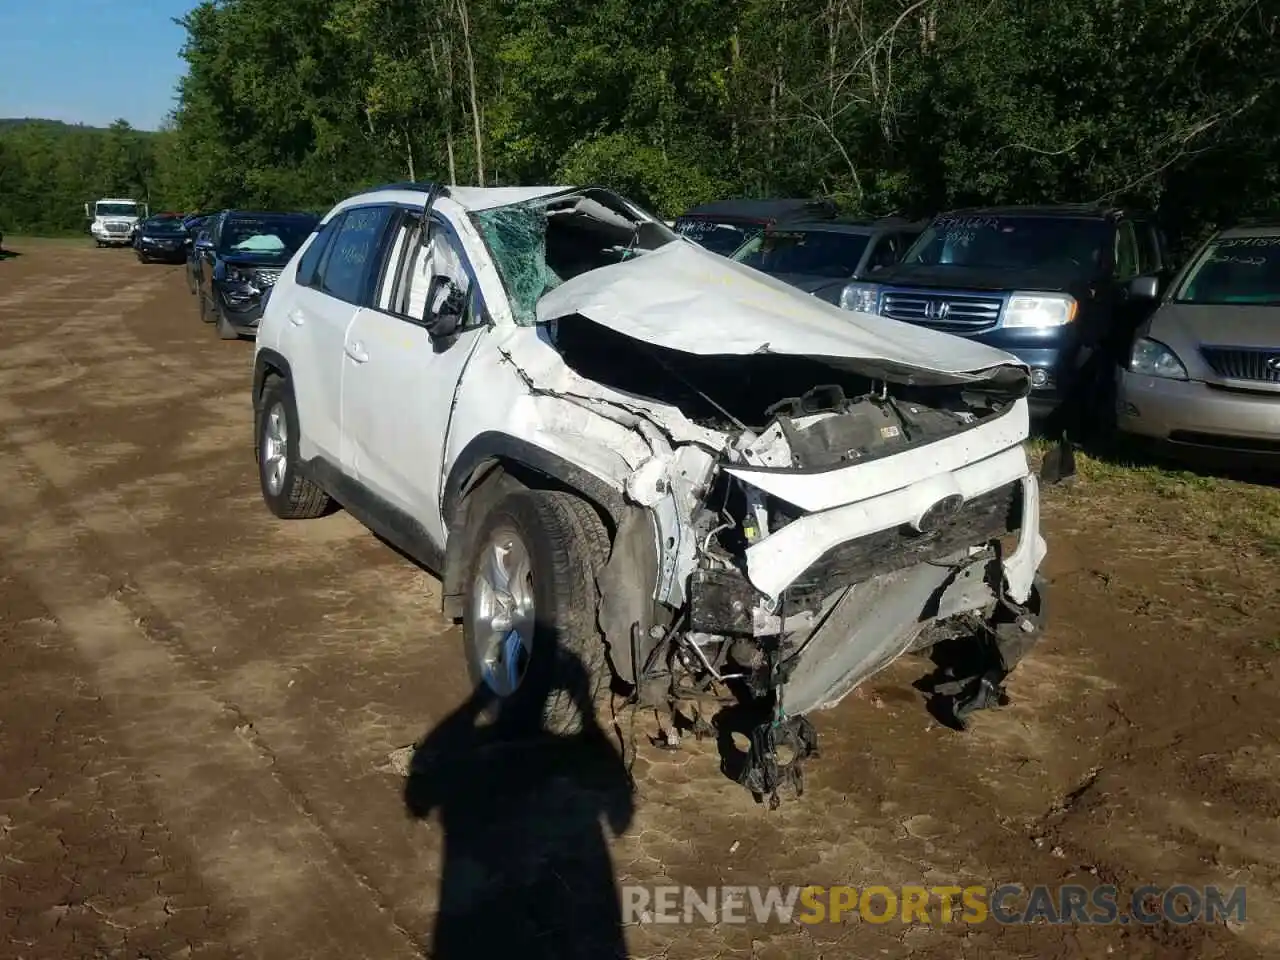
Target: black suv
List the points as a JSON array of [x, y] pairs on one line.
[[821, 256], [725, 225], [1063, 288], [236, 260]]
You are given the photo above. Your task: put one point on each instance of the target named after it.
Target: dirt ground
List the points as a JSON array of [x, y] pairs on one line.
[[203, 709]]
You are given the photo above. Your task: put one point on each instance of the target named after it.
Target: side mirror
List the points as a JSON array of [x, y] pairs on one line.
[[446, 307], [1144, 288]]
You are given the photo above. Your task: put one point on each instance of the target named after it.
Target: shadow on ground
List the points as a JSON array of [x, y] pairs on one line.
[[526, 868], [9, 254]]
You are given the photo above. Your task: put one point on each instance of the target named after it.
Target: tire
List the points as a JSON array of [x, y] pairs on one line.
[[562, 668], [288, 494], [203, 305], [225, 330]]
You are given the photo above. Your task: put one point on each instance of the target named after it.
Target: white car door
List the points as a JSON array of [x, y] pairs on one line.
[[396, 403], [324, 300]]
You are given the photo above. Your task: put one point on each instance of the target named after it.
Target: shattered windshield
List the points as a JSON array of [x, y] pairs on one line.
[[539, 244]]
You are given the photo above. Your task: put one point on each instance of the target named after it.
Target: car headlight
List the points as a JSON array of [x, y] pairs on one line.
[[1151, 358], [863, 297], [238, 276], [1039, 310]]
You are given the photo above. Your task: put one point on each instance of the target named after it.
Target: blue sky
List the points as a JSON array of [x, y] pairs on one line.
[[90, 61]]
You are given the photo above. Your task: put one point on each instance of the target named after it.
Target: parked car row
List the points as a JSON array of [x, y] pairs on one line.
[[1086, 296]]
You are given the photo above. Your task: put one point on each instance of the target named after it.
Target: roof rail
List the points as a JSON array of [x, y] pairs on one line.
[[1263, 221], [424, 186]]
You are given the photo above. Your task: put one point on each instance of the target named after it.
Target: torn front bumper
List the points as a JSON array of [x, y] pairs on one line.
[[886, 581], [877, 621]]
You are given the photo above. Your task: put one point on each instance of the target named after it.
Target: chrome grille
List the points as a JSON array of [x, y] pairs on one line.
[[115, 227], [1261, 364], [948, 312]]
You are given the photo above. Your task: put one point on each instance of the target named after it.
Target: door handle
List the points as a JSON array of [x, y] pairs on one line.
[[297, 317], [355, 350]]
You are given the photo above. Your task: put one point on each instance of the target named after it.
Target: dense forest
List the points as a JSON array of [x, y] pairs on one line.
[[885, 105]]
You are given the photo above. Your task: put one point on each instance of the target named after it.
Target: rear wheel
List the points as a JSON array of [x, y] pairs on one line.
[[288, 494], [225, 330], [530, 632], [203, 305]]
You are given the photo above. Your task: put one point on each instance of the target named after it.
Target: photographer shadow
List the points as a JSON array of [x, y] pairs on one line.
[[526, 870]]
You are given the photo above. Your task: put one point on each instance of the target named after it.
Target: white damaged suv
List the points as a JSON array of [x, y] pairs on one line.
[[636, 464]]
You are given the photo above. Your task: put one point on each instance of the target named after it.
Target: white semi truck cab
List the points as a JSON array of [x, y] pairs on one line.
[[112, 219]]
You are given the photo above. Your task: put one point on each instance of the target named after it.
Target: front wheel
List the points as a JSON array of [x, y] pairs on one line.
[[530, 632], [288, 494]]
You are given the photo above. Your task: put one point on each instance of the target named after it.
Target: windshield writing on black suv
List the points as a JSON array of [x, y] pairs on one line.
[[1059, 245], [166, 227], [812, 253], [721, 238], [1239, 270]]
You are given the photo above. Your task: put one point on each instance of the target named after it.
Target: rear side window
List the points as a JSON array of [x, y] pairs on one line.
[[1126, 258], [309, 265], [353, 254], [1149, 259]]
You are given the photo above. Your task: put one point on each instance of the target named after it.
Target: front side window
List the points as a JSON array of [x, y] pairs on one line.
[[1068, 246], [352, 254], [1235, 270], [309, 263]]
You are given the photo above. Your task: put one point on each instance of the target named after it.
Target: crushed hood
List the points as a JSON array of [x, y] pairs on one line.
[[686, 298]]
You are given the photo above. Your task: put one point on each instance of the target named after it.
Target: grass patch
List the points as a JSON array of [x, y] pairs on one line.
[[1218, 510]]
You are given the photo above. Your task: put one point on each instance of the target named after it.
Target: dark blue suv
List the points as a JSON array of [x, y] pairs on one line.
[[1062, 288]]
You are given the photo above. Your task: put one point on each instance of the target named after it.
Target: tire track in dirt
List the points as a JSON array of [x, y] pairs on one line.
[[385, 853], [268, 859], [163, 593]]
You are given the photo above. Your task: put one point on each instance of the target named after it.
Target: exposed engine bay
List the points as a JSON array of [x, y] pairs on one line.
[[719, 634]]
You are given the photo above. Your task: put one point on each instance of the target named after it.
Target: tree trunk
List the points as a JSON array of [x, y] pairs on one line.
[[443, 71], [735, 61], [408, 152], [464, 20]]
